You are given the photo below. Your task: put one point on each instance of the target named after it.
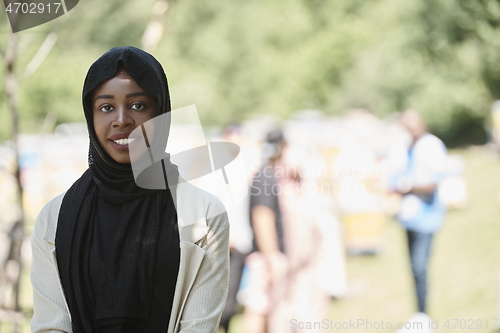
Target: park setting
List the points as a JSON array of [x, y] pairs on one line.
[[338, 79]]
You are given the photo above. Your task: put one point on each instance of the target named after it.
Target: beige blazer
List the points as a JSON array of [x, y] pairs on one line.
[[202, 283]]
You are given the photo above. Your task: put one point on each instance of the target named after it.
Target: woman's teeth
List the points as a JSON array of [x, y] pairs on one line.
[[124, 142]]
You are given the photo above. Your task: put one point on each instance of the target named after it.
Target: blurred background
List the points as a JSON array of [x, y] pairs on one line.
[[333, 75]]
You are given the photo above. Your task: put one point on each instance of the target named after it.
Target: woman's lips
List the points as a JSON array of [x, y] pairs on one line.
[[122, 144], [120, 135]]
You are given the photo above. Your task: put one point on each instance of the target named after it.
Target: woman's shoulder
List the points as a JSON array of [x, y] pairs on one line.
[[46, 222], [193, 199]]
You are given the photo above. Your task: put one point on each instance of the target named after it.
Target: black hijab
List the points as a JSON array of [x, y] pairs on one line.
[[129, 265]]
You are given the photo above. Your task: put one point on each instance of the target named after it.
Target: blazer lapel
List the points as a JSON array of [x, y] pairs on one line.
[[193, 230], [191, 258]]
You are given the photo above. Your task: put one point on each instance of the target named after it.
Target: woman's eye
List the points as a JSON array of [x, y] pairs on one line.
[[106, 108], [138, 106]]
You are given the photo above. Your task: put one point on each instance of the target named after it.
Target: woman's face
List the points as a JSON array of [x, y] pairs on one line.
[[119, 106]]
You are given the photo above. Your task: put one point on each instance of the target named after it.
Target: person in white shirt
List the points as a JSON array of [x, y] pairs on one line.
[[421, 212]]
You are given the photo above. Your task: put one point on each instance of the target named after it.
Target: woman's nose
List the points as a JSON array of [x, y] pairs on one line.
[[123, 117]]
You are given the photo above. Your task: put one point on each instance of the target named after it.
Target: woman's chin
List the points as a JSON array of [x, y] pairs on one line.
[[120, 157], [123, 160]]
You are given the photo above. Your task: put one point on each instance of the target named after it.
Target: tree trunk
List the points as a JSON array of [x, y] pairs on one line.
[[16, 233]]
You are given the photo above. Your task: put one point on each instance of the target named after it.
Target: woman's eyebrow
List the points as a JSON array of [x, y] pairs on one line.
[[105, 97], [140, 93]]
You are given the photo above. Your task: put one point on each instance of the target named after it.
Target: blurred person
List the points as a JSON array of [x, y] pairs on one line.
[[495, 125], [495, 130], [240, 238], [110, 256], [306, 225], [421, 212], [267, 264]]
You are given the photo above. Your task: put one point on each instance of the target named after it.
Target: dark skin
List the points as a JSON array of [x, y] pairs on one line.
[[426, 190], [119, 106]]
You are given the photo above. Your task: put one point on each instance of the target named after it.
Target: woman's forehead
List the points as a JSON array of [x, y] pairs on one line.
[[122, 80]]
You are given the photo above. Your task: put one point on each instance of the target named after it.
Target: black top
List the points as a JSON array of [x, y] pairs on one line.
[[165, 270], [265, 191]]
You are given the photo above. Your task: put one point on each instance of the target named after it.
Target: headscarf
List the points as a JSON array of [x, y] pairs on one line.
[[126, 285]]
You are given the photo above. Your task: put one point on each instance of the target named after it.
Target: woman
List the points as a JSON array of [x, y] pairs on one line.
[[110, 256]]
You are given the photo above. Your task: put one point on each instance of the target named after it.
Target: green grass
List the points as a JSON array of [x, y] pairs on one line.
[[464, 269]]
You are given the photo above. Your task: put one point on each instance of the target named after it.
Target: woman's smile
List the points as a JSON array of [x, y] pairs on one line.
[[122, 144], [122, 141]]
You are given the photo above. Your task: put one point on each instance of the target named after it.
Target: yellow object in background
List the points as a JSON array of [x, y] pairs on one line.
[[364, 232]]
